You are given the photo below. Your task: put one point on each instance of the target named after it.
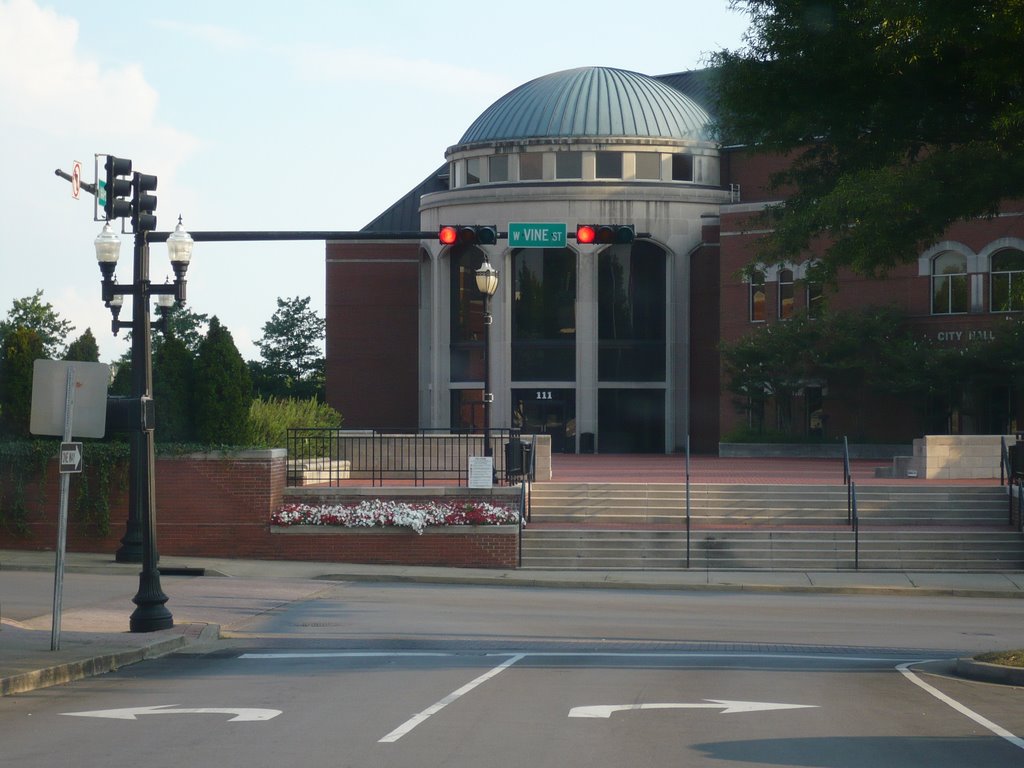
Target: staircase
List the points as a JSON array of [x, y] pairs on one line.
[[632, 526]]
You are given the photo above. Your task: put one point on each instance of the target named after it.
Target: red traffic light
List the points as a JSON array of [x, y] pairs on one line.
[[468, 235], [605, 234]]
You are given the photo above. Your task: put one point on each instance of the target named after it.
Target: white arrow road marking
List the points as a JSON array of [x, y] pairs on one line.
[[727, 707], [131, 713]]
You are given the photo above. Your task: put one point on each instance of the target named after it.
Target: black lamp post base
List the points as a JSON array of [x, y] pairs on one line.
[[129, 552], [150, 615]]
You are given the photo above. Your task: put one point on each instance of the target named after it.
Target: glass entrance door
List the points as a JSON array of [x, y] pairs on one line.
[[547, 412]]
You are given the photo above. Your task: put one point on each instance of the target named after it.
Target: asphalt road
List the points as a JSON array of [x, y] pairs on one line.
[[388, 675]]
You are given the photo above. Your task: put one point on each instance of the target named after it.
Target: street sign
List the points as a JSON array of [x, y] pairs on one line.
[[70, 457], [536, 235], [49, 380], [76, 179]]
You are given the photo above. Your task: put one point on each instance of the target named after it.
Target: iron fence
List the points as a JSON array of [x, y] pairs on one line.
[[336, 457]]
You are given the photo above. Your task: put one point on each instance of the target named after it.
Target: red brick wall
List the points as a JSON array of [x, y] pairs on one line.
[[220, 506], [372, 314]]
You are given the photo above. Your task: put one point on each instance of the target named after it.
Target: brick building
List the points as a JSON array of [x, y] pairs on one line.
[[615, 348]]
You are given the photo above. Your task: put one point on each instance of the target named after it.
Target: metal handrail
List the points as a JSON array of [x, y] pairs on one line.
[[687, 500], [1004, 462], [848, 482], [855, 518]]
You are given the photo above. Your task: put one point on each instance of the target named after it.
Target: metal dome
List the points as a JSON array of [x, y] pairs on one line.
[[590, 102]]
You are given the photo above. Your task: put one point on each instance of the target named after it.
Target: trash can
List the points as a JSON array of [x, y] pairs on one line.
[[527, 460], [513, 459]]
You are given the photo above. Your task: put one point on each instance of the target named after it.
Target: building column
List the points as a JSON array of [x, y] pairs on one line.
[[586, 342]]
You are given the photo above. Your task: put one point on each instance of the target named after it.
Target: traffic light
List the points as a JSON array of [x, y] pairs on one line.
[[468, 235], [605, 234], [143, 203], [117, 187]]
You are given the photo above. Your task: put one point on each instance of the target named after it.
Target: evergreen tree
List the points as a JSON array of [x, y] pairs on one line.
[[173, 385], [21, 348], [223, 389], [84, 348]]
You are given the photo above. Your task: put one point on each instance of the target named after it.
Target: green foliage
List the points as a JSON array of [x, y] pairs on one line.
[[884, 106], [292, 362], [31, 313], [21, 348], [21, 463], [270, 419], [173, 385], [84, 348], [105, 463], [223, 389]]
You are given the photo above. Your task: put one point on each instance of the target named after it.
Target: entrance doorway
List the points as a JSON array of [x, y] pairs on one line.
[[547, 412]]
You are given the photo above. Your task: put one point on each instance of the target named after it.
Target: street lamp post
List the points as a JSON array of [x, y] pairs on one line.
[[151, 613], [487, 284]]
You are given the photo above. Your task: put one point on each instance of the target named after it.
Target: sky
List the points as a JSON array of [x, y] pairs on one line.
[[272, 116]]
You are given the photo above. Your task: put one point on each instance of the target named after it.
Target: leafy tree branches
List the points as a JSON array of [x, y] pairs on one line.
[[886, 107]]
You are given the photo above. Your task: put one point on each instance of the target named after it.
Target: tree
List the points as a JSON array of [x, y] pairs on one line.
[[31, 313], [292, 352], [900, 117], [223, 389], [173, 390], [20, 349], [84, 348]]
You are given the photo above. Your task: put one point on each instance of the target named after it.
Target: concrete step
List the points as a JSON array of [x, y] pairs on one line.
[[996, 550]]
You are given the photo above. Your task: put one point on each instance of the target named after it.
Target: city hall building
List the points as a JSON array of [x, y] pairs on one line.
[[614, 347]]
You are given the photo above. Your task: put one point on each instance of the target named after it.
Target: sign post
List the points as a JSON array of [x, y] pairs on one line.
[[55, 387]]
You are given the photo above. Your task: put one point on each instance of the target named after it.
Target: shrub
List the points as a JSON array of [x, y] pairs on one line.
[[270, 419]]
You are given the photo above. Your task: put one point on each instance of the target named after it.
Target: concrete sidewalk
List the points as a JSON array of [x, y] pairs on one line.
[[211, 593]]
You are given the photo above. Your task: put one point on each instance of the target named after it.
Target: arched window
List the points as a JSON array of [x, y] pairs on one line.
[[785, 294], [950, 294], [757, 297], [1007, 286]]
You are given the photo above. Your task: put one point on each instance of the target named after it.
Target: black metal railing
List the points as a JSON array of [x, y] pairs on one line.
[[855, 523], [334, 457], [848, 482]]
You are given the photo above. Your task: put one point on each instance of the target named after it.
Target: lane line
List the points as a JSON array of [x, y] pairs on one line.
[[415, 720], [345, 655], [998, 730], [585, 654]]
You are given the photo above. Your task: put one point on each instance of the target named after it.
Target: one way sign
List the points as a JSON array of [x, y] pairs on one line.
[[70, 457]]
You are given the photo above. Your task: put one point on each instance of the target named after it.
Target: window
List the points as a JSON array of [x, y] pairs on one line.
[[648, 165], [497, 168], [544, 314], [786, 294], [531, 166], [950, 293], [609, 165], [473, 170], [631, 313], [757, 297], [682, 168], [569, 165], [1007, 281], [815, 299]]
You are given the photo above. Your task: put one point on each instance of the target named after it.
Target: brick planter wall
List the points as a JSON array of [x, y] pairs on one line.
[[219, 505]]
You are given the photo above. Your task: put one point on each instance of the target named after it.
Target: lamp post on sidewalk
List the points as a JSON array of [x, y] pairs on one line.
[[151, 613], [487, 284]]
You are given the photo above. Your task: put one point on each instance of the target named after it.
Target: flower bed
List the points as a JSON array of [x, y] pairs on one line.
[[380, 513]]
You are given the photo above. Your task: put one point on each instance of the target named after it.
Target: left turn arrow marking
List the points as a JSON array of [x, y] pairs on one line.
[[132, 713]]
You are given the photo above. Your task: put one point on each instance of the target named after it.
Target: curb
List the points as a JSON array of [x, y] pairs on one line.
[[70, 671], [989, 673]]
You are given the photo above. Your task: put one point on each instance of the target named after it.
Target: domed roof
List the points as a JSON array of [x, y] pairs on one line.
[[590, 102]]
